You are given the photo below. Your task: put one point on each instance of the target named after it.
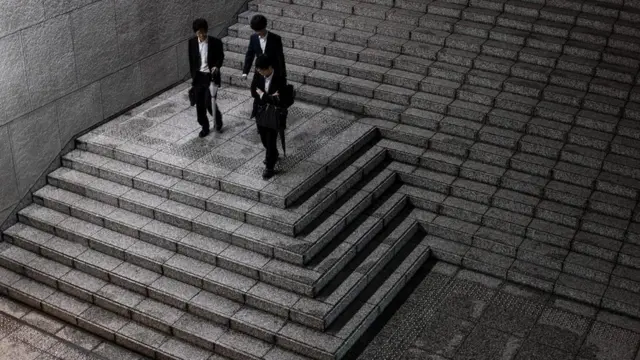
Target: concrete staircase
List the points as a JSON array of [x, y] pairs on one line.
[[502, 136]]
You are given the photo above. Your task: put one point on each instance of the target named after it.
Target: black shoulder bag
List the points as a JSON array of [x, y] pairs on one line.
[[272, 117]]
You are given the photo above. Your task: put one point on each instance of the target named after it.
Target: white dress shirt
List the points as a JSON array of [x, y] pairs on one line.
[[204, 55], [267, 84], [263, 42]]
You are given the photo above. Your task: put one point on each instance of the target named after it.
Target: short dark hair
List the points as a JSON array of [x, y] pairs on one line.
[[258, 22], [200, 24], [263, 62]]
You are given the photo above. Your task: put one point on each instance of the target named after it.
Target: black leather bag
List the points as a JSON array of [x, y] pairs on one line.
[[271, 117]]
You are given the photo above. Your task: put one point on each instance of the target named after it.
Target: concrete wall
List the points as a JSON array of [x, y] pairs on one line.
[[67, 65]]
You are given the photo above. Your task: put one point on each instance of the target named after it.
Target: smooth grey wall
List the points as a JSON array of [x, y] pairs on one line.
[[67, 65]]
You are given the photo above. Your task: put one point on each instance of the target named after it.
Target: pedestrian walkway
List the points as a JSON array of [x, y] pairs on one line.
[[462, 315], [28, 334]]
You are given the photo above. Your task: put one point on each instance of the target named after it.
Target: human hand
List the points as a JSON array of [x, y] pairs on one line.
[[244, 76]]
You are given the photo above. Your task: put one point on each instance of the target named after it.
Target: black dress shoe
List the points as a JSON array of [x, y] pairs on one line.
[[268, 173], [203, 133], [219, 128]]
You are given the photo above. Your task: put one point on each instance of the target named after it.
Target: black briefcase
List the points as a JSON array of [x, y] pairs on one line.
[[271, 117]]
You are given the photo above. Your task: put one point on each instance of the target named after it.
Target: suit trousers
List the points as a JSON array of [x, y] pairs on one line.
[[204, 101], [269, 138]]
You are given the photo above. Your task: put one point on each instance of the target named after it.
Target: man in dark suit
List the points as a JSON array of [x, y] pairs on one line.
[[206, 55], [264, 42], [266, 87]]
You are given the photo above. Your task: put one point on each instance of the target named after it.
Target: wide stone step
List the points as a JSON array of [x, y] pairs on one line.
[[336, 58], [179, 335], [135, 199], [346, 211], [281, 191], [522, 190], [171, 300], [502, 148], [522, 15], [140, 208], [466, 34], [481, 86], [465, 118], [291, 221], [241, 265]]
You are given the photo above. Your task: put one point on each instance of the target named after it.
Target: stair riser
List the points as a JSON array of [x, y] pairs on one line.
[[478, 35], [224, 291], [345, 70], [452, 110], [364, 168], [129, 284], [200, 202], [466, 61], [455, 169], [192, 200], [214, 259], [159, 325], [256, 273], [200, 228], [380, 300], [468, 215], [155, 323], [229, 187], [273, 279], [371, 274], [532, 14]]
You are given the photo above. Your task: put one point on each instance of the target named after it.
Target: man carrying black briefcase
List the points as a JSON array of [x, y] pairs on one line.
[[271, 100]]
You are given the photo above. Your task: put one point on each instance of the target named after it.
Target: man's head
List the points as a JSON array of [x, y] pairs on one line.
[[259, 25], [201, 27], [263, 66]]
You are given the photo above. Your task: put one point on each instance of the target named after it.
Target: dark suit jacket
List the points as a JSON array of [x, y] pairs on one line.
[[215, 57], [273, 50], [278, 82]]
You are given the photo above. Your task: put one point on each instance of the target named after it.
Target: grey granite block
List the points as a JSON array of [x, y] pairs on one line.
[[490, 154], [449, 71], [421, 50], [517, 103], [140, 338], [451, 144], [496, 241], [430, 102], [500, 49], [467, 110], [481, 172], [506, 221], [336, 5]]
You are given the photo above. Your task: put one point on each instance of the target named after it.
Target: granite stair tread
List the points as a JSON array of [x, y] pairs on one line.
[[281, 191], [242, 257], [162, 301], [291, 221], [185, 337], [303, 72], [156, 250], [509, 30]]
